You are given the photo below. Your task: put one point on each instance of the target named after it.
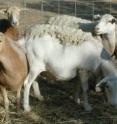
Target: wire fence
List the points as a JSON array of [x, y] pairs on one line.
[[82, 8], [79, 8]]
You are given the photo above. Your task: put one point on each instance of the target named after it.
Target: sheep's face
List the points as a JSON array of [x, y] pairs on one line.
[[110, 86], [13, 15], [106, 24]]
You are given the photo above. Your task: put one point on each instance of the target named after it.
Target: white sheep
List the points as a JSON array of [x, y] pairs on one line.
[[48, 50]]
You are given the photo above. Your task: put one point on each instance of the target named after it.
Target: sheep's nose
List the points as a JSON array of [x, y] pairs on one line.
[[14, 23]]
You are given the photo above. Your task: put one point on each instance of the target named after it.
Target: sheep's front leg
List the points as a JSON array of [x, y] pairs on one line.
[[84, 81], [18, 102], [37, 92], [6, 101], [35, 70]]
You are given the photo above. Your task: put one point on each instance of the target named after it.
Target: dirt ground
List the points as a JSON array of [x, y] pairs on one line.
[[58, 107]]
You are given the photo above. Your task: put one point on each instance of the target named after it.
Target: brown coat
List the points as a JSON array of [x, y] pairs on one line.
[[13, 65]]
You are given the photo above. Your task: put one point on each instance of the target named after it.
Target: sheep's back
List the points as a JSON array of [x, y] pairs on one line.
[[66, 35]]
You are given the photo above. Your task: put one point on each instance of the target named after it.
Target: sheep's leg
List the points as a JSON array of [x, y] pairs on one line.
[[18, 102], [84, 82], [6, 102], [77, 94], [77, 90], [35, 70], [37, 92]]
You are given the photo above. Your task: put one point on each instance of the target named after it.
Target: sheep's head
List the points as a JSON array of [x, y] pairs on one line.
[[110, 85], [13, 14], [106, 24]]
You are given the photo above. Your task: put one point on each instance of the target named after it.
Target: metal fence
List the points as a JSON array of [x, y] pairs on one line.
[[82, 8]]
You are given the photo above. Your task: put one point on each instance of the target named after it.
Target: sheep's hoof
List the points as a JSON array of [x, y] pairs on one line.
[[98, 89], [88, 108], [40, 98], [27, 110], [78, 101]]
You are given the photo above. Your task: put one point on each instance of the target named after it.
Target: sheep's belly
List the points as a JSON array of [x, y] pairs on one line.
[[63, 63], [62, 73]]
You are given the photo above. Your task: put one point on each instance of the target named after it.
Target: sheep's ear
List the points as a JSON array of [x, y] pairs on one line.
[[3, 11], [114, 20], [96, 17]]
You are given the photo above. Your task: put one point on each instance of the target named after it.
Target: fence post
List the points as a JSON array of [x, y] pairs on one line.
[[93, 11], [42, 5], [110, 6], [24, 2], [75, 8], [58, 7]]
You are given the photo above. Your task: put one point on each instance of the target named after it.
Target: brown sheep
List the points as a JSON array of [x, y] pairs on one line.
[[13, 68]]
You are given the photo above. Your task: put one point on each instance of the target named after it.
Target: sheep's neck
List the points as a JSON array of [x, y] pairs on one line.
[[109, 42]]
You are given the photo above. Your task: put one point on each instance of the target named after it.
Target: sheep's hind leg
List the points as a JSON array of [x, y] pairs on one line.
[[37, 92], [84, 81], [35, 70]]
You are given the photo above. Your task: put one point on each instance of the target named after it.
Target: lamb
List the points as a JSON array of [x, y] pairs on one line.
[[107, 38], [47, 49]]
